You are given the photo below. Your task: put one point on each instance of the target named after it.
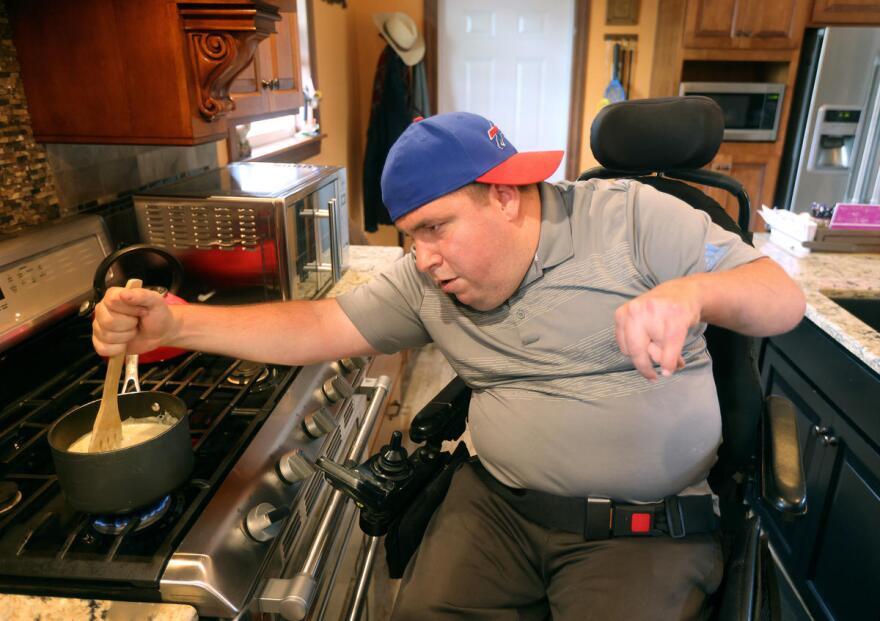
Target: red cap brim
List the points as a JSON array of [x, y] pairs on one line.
[[524, 168]]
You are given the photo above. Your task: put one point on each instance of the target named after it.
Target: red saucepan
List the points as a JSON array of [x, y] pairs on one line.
[[170, 295]]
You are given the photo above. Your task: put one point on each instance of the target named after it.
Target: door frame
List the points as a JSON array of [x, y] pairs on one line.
[[578, 76]]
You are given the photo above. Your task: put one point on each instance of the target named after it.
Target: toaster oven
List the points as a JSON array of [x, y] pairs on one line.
[[276, 231]]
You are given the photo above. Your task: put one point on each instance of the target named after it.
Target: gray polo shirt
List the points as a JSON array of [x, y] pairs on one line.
[[556, 406]]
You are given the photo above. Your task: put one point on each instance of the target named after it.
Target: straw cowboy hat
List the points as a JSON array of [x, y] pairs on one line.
[[402, 35]]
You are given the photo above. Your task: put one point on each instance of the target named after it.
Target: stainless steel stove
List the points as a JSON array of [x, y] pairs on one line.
[[253, 531]]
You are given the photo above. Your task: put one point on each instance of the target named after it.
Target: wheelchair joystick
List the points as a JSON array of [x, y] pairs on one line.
[[392, 463], [386, 483]]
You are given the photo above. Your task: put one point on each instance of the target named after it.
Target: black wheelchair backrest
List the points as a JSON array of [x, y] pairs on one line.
[[657, 135]]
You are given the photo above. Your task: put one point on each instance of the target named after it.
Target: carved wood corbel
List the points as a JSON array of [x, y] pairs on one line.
[[221, 41]]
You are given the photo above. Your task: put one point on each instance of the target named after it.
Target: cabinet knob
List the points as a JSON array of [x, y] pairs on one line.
[[266, 83], [829, 440], [276, 84], [826, 435]]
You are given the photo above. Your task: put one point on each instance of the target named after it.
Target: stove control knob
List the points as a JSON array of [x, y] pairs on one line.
[[264, 521], [337, 389], [354, 363], [293, 467], [318, 423]]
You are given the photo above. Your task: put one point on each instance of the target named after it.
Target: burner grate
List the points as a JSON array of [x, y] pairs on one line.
[[42, 537]]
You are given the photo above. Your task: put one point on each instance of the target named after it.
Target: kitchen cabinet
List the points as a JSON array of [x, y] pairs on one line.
[[271, 82], [754, 170], [394, 366], [146, 72], [832, 554], [854, 12], [745, 24]]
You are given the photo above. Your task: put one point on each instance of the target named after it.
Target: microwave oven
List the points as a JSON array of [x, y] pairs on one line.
[[252, 230], [751, 109]]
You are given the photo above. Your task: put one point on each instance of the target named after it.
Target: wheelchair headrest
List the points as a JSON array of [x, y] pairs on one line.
[[655, 135]]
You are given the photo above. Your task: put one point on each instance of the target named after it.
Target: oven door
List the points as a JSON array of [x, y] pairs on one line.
[[328, 577], [309, 278]]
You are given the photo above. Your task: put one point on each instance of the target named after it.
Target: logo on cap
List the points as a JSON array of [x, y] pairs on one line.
[[496, 135]]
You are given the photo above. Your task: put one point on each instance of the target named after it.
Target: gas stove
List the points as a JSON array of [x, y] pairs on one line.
[[253, 511]]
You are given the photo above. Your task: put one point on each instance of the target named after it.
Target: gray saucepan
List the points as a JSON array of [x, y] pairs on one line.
[[128, 478]]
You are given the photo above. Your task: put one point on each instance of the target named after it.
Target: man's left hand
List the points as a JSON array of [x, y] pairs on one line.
[[651, 328]]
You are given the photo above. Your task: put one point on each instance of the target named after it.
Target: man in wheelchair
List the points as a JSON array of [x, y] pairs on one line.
[[575, 313]]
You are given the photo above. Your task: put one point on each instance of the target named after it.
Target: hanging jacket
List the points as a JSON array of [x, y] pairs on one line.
[[391, 112]]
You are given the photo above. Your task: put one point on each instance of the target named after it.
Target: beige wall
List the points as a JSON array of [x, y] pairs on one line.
[[599, 67], [348, 46]]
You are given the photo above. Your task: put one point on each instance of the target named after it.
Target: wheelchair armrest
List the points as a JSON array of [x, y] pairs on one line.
[[445, 417], [782, 476]]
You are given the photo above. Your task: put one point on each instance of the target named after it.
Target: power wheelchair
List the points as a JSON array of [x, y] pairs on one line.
[[660, 142]]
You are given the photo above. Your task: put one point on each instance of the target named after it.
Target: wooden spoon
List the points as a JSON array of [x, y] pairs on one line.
[[107, 430]]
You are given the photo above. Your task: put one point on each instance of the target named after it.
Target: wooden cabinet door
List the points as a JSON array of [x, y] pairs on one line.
[[843, 571], [745, 24], [858, 12], [709, 23], [775, 25], [753, 177], [287, 89], [250, 89], [793, 539]]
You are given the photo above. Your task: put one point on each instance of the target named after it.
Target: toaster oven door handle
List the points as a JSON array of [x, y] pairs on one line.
[[293, 597], [330, 215]]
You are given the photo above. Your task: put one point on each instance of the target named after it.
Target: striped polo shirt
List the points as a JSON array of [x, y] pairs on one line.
[[556, 406]]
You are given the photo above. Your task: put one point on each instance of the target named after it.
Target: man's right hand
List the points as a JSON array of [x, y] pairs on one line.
[[132, 321]]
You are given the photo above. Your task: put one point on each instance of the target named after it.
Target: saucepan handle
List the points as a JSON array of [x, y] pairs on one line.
[[131, 383]]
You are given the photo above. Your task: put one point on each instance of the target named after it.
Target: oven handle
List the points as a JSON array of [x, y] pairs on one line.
[[371, 545], [293, 597]]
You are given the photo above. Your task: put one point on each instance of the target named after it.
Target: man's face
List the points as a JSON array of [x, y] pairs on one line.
[[466, 246]]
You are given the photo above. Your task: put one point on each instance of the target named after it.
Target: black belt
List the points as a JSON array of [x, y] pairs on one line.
[[601, 518]]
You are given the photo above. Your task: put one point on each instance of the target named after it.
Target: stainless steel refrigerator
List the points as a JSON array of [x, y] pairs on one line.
[[832, 150]]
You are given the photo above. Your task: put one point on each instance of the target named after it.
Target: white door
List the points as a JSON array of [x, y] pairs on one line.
[[510, 61]]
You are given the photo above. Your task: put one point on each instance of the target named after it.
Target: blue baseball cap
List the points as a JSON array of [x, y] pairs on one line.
[[440, 154]]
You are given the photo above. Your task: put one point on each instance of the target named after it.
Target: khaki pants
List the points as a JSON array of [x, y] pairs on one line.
[[480, 560]]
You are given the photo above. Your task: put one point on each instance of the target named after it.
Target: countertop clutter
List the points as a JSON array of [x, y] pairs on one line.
[[820, 273], [365, 262]]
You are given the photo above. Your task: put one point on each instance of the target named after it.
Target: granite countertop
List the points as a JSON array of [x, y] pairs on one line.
[[365, 262], [821, 273], [36, 608]]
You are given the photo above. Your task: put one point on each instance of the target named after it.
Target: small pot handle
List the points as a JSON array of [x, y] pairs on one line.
[[173, 262], [131, 383]]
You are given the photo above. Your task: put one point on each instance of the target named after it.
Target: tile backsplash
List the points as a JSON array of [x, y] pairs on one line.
[[41, 182], [27, 192]]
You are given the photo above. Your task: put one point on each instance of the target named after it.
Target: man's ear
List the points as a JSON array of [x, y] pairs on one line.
[[507, 199]]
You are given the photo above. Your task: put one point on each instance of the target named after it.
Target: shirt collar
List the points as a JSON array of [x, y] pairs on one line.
[[554, 244]]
